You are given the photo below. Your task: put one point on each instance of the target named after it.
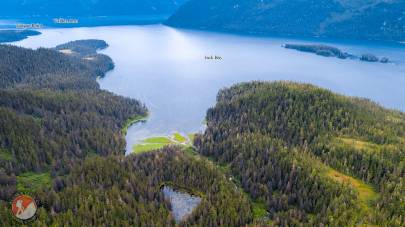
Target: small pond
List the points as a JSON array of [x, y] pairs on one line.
[[183, 204]]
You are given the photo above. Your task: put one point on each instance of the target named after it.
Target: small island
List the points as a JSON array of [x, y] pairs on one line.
[[7, 36], [373, 58], [323, 50], [330, 51]]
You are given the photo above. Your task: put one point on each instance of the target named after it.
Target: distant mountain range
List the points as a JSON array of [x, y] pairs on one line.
[[351, 19], [58, 8]]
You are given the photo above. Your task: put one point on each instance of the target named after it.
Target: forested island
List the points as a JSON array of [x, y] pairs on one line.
[[329, 51], [16, 35]]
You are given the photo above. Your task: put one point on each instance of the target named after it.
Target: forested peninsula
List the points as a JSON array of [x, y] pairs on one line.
[[310, 156], [53, 113], [16, 35]]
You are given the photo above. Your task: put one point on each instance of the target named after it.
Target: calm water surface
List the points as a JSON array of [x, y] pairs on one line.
[[166, 69], [182, 204]]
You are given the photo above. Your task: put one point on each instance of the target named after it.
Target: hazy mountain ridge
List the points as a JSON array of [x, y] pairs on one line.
[[86, 7], [361, 19]]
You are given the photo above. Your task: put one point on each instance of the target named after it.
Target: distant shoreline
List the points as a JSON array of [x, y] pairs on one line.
[[14, 35], [86, 21]]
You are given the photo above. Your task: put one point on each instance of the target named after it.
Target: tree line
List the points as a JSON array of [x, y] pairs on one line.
[[277, 137]]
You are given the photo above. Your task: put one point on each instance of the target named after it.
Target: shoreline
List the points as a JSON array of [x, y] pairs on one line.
[[133, 120], [9, 36]]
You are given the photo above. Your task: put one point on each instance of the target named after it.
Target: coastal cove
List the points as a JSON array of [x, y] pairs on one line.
[[167, 69]]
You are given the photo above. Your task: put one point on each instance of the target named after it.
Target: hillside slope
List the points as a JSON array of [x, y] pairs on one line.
[[359, 19], [53, 111], [126, 191], [281, 139], [61, 142]]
